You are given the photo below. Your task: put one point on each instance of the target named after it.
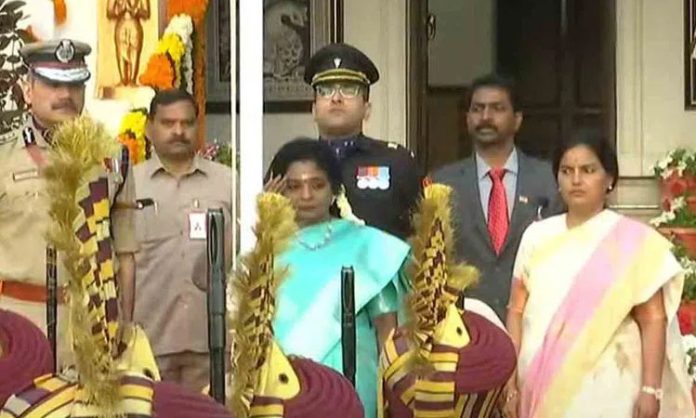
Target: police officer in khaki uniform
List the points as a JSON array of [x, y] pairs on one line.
[[55, 90]]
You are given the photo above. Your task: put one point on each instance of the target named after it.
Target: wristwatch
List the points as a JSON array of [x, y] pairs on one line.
[[657, 393]]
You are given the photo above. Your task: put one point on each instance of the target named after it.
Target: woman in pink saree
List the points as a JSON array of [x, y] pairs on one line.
[[593, 305]]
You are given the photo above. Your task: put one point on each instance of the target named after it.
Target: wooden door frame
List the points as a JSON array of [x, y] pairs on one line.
[[417, 76], [610, 62], [417, 79]]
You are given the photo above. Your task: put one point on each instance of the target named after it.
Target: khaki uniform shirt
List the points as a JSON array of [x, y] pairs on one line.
[[171, 267], [24, 218]]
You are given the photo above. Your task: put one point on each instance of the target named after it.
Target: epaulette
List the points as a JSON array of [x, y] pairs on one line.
[[8, 137], [394, 145]]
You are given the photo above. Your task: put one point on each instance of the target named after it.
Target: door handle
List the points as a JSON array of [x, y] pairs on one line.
[[431, 26]]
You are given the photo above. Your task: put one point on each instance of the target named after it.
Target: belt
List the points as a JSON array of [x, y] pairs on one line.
[[28, 292]]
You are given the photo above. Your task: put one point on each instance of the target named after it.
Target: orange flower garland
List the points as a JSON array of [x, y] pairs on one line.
[[194, 8], [60, 11], [197, 10], [131, 134], [160, 73]]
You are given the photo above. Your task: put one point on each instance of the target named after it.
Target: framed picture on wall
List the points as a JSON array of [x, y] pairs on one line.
[[293, 31], [690, 54], [218, 68]]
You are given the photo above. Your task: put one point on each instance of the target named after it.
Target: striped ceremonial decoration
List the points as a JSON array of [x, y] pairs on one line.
[[94, 231], [266, 407], [140, 397], [79, 208], [466, 382], [57, 397], [267, 383], [443, 363], [174, 401], [323, 393]]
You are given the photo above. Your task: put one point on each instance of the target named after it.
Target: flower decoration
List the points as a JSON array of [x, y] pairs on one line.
[[171, 64], [181, 26], [160, 73], [194, 8], [679, 161], [689, 343], [132, 134], [677, 213], [218, 153], [197, 10], [60, 11]]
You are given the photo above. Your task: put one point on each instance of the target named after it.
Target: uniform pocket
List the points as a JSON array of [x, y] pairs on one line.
[[155, 225], [24, 192]]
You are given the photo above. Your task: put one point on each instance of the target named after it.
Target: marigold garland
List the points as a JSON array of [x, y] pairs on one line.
[[194, 8], [60, 11], [197, 9], [172, 45], [131, 134], [164, 68], [159, 73], [182, 25], [172, 64]]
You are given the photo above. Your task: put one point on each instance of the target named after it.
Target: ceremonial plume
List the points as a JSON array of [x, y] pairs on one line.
[[256, 284], [437, 281], [80, 209]]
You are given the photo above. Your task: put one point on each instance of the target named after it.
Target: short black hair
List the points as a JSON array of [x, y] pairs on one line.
[[307, 149], [169, 96], [597, 143], [496, 80]]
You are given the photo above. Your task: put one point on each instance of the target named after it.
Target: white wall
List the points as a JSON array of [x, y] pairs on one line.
[[378, 27], [651, 119], [278, 128], [464, 43]]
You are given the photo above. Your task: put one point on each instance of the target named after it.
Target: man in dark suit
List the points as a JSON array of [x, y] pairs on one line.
[[382, 179], [498, 191]]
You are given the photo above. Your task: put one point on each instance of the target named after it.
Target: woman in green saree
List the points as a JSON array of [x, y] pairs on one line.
[[308, 316]]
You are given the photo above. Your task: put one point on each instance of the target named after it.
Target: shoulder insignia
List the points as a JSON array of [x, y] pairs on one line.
[[28, 136], [393, 145], [9, 137]]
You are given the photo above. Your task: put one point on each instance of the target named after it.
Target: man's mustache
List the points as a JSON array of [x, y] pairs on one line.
[[486, 126], [66, 104], [181, 139]]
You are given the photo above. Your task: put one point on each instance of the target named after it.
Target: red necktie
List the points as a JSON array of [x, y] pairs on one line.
[[498, 221]]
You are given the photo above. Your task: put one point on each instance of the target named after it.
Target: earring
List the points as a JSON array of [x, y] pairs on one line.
[[610, 188]]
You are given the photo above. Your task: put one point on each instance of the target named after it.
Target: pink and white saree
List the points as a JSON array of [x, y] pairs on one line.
[[580, 354]]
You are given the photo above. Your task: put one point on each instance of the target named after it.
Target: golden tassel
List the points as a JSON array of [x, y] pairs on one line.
[[79, 150], [256, 284], [437, 281]]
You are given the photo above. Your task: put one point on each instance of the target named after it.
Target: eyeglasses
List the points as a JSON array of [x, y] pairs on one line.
[[347, 91]]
